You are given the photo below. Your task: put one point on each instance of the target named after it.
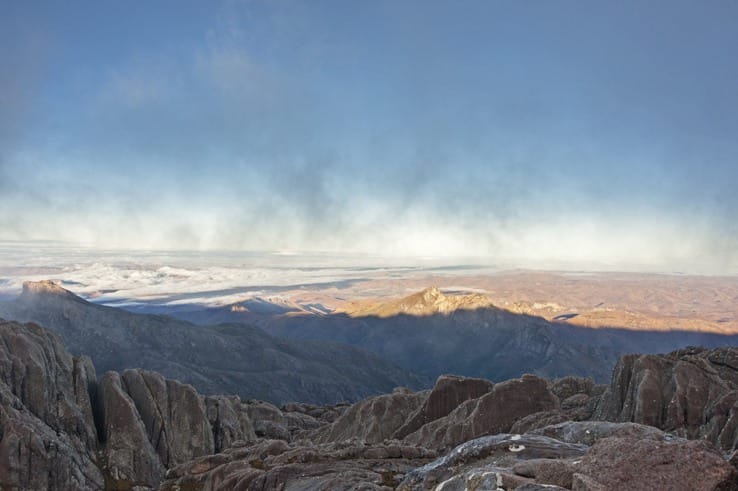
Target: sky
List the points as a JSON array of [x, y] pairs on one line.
[[593, 133]]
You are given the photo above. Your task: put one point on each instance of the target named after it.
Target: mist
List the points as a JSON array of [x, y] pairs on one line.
[[537, 133]]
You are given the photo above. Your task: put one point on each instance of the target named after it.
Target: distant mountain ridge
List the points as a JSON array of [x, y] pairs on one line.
[[229, 359], [431, 333], [426, 302]]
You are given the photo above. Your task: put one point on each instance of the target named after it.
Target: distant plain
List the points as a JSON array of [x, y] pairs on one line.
[[309, 284]]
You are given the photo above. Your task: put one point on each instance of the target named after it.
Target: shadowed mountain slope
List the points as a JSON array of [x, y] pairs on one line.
[[431, 334], [229, 359]]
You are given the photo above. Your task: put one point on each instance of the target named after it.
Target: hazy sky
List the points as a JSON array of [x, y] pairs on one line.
[[602, 132]]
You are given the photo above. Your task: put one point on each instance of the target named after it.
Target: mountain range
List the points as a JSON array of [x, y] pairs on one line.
[[431, 333], [224, 359], [279, 352]]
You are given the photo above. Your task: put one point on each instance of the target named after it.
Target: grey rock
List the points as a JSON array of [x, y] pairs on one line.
[[129, 458], [174, 416], [554, 472], [229, 420], [47, 441], [539, 487], [270, 464], [589, 432], [498, 453], [269, 429]]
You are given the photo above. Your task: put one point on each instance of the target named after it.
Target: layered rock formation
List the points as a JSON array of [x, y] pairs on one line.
[[578, 455], [62, 428], [48, 438], [691, 392], [644, 460]]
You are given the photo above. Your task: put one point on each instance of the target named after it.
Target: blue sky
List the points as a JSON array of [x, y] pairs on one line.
[[578, 131]]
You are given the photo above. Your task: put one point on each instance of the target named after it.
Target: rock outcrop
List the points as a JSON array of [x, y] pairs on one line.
[[129, 458], [646, 464], [174, 415], [494, 412], [489, 462], [373, 420], [276, 464], [691, 392], [62, 428], [652, 460], [48, 439], [229, 421], [427, 302], [447, 394]]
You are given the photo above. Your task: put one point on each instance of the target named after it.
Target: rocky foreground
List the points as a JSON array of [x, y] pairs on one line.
[[664, 422]]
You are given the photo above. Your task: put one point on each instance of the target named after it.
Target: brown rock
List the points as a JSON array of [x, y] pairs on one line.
[[539, 420], [547, 471], [690, 392], [447, 394], [494, 455], [279, 465], [494, 412], [566, 387], [625, 463], [372, 420], [589, 432]]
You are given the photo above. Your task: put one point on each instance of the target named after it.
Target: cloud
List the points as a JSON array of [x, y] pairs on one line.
[[275, 128]]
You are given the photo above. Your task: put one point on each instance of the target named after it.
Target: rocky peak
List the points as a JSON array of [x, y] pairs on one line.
[[432, 295], [45, 287], [430, 301]]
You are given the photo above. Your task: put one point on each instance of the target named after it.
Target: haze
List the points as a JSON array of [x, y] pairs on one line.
[[597, 134]]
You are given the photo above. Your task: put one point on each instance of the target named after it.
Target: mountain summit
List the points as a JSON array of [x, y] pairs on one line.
[[430, 301], [46, 287]]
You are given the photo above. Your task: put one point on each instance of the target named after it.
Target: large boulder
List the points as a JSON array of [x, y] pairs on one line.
[[229, 420], [491, 458], [129, 458], [494, 412], [589, 432], [174, 416], [591, 456], [447, 394], [372, 420], [647, 464]]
